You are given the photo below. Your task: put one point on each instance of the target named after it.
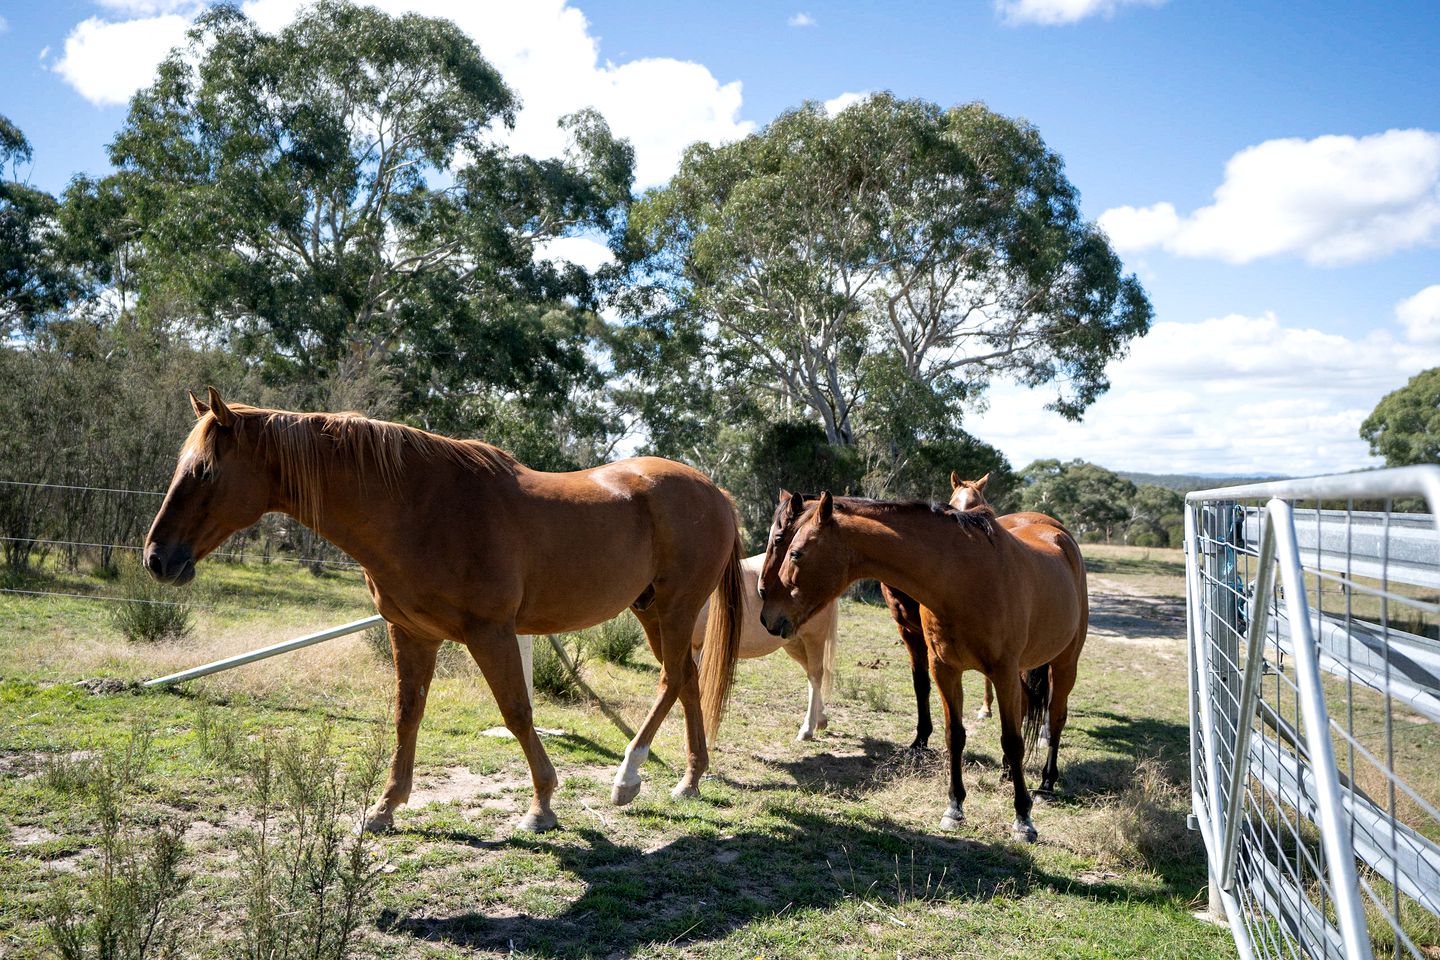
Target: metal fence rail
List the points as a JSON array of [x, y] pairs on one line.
[[1314, 613]]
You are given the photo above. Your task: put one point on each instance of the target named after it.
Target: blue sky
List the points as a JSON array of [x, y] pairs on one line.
[[1286, 305]]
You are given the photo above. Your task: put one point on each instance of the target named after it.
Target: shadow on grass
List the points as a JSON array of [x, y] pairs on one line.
[[1134, 738], [697, 888]]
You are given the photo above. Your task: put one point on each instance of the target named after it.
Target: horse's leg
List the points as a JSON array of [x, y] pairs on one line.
[[1063, 671], [1010, 697], [414, 668], [672, 677], [984, 712], [952, 699], [914, 642], [809, 652], [496, 652]]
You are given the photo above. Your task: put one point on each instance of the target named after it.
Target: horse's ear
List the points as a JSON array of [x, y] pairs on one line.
[[825, 509], [223, 415], [954, 480], [980, 484], [789, 505], [197, 404]]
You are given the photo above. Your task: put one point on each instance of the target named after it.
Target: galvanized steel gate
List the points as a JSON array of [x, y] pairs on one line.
[[1314, 611]]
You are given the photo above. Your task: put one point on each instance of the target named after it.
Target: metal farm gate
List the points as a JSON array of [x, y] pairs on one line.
[[1315, 711]]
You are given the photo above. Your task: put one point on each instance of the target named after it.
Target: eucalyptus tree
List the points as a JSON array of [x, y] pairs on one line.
[[34, 276], [876, 269], [1404, 427], [334, 200]]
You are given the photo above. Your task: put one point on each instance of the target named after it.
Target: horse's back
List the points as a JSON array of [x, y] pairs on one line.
[[598, 539]]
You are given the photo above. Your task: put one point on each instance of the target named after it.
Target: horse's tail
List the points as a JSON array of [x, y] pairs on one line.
[[832, 641], [1037, 704], [722, 641]]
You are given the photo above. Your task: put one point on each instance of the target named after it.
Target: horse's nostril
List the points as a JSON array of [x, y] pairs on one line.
[[152, 562]]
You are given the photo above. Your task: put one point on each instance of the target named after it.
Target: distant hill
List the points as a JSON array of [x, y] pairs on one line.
[[1185, 482]]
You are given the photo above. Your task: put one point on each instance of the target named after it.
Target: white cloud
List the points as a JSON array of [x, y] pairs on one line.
[[1420, 315], [585, 252], [835, 104], [1332, 200], [151, 8], [1234, 394], [802, 19], [107, 62], [543, 48], [1051, 13], [4, 24]]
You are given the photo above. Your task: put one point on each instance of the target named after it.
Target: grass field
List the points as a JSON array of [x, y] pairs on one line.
[[820, 849]]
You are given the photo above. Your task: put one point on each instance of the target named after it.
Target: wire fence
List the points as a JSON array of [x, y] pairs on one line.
[[25, 517], [1315, 711]]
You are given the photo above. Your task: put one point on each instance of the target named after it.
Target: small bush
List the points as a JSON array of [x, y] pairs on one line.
[[615, 641], [131, 904], [552, 678], [152, 613], [309, 873]]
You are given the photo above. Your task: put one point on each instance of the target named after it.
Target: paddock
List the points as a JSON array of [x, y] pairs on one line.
[[796, 850]]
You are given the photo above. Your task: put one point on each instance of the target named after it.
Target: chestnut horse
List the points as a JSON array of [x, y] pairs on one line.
[[459, 541], [812, 645], [964, 495], [993, 598]]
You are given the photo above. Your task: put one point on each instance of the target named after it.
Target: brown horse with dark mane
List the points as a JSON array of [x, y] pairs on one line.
[[995, 598], [460, 541], [905, 611]]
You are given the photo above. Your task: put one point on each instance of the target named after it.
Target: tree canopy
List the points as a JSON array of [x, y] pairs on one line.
[[34, 276], [1404, 427], [332, 200], [876, 269]]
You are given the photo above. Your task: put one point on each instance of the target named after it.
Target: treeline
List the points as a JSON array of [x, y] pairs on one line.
[[324, 218]]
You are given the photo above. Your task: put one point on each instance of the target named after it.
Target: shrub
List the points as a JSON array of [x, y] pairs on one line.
[[615, 641], [551, 676], [153, 613], [131, 904], [308, 871]]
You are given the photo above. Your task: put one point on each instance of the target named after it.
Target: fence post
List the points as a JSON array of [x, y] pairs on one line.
[[1221, 646]]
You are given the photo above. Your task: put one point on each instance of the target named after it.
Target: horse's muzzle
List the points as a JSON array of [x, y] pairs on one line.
[[173, 563], [780, 626]]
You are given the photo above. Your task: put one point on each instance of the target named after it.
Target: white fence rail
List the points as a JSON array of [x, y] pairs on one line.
[[1314, 607]]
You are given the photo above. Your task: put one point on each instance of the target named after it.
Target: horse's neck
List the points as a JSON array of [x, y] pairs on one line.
[[351, 510], [909, 550]]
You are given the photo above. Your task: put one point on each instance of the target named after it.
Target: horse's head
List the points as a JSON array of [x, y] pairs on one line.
[[967, 494], [806, 566], [217, 489]]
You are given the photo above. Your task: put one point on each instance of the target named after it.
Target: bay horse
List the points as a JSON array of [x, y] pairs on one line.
[[460, 541], [905, 611], [812, 645], [993, 598]]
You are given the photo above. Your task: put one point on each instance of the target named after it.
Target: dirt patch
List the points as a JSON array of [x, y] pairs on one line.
[[1121, 616], [107, 686], [474, 789], [30, 836]]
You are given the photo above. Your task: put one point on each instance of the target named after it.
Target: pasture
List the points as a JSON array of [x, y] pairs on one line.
[[828, 848]]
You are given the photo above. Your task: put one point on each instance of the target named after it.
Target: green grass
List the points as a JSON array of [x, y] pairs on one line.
[[796, 850]]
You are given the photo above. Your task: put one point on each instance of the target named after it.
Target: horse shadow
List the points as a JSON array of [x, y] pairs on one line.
[[698, 888]]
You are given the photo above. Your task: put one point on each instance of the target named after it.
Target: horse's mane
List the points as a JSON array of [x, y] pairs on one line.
[[980, 518], [305, 445]]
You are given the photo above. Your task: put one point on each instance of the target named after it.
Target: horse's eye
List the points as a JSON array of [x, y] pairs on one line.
[[761, 592], [794, 554]]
